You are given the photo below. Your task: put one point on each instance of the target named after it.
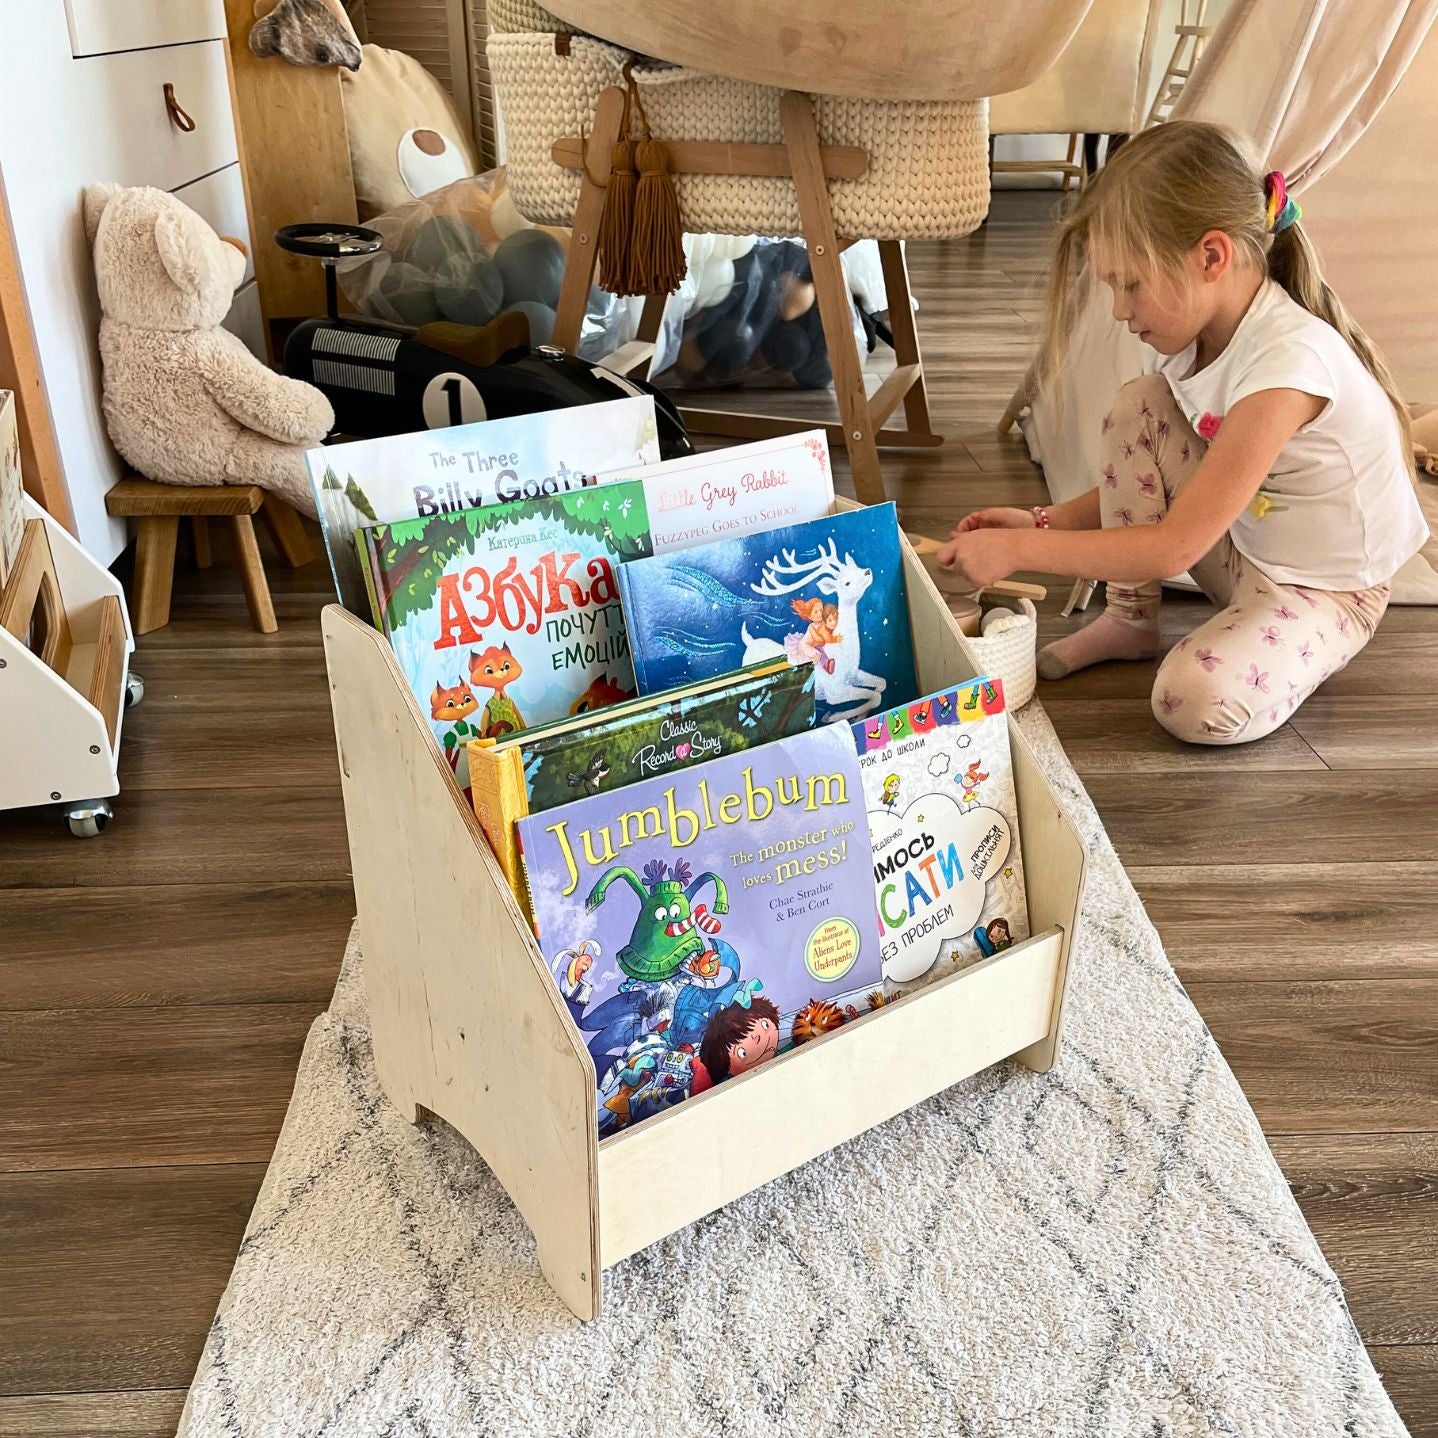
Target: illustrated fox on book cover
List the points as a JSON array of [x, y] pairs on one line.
[[700, 922], [508, 616], [828, 592], [943, 820]]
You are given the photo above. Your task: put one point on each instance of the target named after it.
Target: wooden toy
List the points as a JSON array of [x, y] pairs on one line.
[[467, 1023]]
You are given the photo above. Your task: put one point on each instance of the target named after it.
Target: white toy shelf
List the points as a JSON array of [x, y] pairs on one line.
[[65, 646], [468, 1024]]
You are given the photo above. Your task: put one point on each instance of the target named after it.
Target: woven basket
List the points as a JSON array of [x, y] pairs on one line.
[[928, 160], [1011, 656]]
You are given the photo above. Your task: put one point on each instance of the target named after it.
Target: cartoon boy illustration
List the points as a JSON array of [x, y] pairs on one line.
[[890, 796], [737, 1039]]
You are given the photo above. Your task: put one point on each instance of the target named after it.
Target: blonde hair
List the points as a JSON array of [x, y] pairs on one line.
[[1152, 203]]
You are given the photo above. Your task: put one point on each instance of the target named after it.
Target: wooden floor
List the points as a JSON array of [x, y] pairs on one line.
[[156, 983]]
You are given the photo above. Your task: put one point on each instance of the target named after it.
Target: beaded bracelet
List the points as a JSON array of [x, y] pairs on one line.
[[1041, 517]]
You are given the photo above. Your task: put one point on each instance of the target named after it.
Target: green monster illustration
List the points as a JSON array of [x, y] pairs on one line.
[[663, 939]]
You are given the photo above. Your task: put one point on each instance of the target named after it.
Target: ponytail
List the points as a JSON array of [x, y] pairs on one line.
[[1293, 262]]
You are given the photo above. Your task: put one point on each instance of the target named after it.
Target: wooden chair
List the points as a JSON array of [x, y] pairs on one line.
[[157, 510]]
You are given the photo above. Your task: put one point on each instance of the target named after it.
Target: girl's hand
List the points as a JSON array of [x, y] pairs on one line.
[[996, 519], [979, 557]]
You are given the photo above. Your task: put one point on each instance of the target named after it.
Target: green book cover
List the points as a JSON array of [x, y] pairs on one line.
[[508, 616]]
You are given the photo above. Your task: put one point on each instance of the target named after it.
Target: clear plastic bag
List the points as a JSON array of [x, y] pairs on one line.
[[747, 316], [465, 254]]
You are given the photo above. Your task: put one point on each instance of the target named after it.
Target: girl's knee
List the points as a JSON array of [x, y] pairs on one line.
[[1203, 710], [1139, 397]]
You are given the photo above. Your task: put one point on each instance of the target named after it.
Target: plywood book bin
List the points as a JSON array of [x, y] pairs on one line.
[[469, 1025]]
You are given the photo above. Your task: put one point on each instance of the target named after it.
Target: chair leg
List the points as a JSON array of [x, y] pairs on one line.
[[287, 530], [905, 332], [156, 536], [802, 139], [252, 572], [584, 233], [200, 541]]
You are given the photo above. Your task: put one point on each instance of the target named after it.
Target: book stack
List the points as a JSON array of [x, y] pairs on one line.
[[683, 702]]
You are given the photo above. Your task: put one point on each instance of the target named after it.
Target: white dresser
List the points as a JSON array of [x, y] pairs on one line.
[[82, 98]]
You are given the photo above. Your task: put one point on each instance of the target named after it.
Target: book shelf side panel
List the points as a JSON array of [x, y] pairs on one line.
[[753, 1129], [465, 1021], [1054, 857]]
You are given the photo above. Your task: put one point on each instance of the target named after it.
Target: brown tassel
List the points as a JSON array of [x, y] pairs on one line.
[[616, 223], [656, 256]]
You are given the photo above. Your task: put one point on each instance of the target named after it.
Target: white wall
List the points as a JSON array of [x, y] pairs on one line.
[[46, 122]]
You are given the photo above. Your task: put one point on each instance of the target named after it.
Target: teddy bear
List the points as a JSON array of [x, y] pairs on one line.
[[184, 400]]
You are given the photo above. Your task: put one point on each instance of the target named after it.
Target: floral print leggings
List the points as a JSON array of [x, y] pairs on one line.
[[1241, 674]]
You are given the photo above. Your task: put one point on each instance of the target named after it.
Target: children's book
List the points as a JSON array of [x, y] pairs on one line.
[[509, 616], [442, 471], [702, 921], [591, 753], [944, 823], [12, 507], [735, 491], [828, 592]]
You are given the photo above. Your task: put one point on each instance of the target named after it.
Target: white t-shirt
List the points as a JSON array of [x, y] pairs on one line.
[[1338, 509]]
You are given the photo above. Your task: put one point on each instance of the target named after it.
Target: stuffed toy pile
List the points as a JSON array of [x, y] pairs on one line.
[[184, 400]]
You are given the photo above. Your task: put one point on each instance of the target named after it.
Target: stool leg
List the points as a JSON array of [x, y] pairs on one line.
[[584, 232], [200, 536], [155, 540], [906, 334], [252, 571], [802, 139], [287, 530]]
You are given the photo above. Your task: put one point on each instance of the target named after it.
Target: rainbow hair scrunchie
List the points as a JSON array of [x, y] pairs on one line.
[[1280, 209]]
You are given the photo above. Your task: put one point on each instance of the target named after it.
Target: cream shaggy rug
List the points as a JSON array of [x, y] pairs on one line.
[[1107, 1250]]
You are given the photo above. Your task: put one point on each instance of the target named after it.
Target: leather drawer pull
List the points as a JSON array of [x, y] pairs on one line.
[[177, 111]]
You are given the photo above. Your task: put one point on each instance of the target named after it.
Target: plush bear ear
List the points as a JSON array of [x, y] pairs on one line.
[[96, 198], [188, 250]]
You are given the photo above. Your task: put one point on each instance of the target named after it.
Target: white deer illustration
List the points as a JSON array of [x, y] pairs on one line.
[[847, 582]]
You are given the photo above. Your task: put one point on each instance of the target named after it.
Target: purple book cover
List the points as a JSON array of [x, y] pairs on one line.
[[700, 922]]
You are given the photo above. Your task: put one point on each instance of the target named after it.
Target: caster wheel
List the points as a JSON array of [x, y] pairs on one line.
[[134, 690], [88, 820]]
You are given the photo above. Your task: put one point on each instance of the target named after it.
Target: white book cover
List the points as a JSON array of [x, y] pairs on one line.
[[944, 826], [740, 490], [435, 472], [12, 506]]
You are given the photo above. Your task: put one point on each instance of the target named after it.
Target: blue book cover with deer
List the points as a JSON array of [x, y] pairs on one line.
[[702, 921], [828, 592]]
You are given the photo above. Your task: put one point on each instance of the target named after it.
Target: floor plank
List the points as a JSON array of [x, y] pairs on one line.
[[1350, 731], [111, 1277], [153, 945], [1372, 1202], [151, 1413], [195, 835], [1316, 817], [1369, 920], [96, 1088], [1336, 1057], [1410, 1374]]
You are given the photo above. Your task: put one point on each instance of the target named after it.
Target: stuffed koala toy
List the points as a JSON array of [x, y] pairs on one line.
[[185, 401]]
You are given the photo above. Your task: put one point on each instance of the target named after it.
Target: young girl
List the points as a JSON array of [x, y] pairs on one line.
[[1265, 450]]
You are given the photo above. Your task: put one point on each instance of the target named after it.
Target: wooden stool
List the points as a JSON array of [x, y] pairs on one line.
[[158, 509]]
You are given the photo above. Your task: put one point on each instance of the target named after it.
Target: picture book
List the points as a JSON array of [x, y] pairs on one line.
[[442, 471], [702, 921], [546, 766], [828, 592], [734, 491], [943, 820], [509, 616], [12, 506]]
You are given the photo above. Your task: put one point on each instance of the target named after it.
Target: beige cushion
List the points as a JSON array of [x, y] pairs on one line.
[[1099, 84], [406, 137]]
